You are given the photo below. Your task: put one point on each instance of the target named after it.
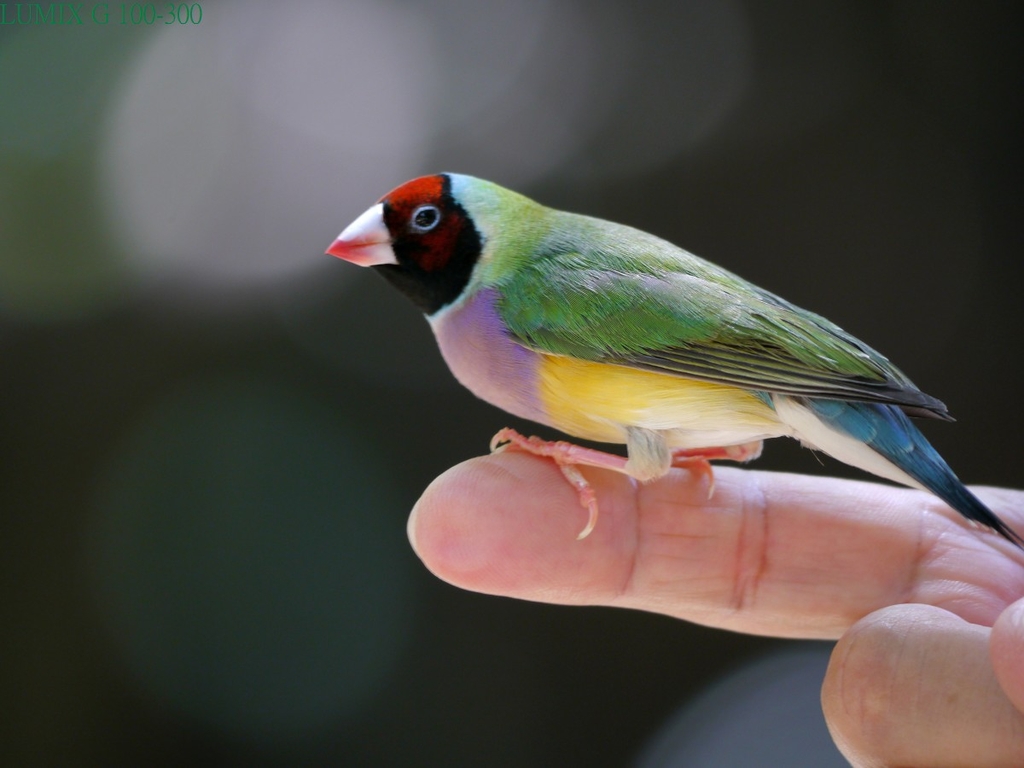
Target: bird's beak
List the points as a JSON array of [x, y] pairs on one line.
[[366, 241]]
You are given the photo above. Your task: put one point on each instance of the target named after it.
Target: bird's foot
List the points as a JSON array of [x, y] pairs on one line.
[[568, 457], [698, 460]]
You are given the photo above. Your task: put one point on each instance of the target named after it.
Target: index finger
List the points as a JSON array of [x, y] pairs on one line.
[[769, 553]]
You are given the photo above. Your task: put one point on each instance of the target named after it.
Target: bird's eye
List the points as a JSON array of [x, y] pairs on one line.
[[425, 218]]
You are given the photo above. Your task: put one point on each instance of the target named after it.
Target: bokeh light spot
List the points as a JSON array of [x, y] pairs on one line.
[[243, 556], [237, 147], [524, 86]]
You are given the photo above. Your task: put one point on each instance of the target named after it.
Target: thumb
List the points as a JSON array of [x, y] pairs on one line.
[[1006, 646], [912, 685]]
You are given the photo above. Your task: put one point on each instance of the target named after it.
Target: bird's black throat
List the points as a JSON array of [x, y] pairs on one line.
[[434, 271]]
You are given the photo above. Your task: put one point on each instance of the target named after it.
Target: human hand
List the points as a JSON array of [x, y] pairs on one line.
[[929, 669]]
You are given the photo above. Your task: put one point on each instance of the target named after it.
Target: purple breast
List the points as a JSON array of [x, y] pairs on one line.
[[478, 350]]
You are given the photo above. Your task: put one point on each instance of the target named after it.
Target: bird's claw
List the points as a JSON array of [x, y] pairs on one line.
[[569, 457], [566, 456]]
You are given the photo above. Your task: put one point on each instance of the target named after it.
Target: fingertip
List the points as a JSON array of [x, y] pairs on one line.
[[412, 524], [1006, 647], [446, 528], [508, 523], [855, 710], [1010, 625], [469, 525], [912, 685]]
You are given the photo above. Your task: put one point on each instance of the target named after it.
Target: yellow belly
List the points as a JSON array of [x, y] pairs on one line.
[[596, 401]]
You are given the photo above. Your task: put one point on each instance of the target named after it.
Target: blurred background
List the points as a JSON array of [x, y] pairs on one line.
[[211, 434]]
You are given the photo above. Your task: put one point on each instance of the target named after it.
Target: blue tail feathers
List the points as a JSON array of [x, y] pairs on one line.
[[889, 431]]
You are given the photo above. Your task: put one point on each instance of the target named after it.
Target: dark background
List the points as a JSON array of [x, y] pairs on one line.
[[211, 434]]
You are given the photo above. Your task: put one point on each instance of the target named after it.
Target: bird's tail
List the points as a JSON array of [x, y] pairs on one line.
[[888, 431]]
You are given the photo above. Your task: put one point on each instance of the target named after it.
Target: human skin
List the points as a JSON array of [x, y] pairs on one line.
[[927, 611]]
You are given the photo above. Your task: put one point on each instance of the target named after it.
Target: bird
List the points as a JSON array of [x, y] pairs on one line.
[[613, 335]]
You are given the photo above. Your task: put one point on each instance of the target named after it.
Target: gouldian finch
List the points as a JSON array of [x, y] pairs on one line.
[[614, 335]]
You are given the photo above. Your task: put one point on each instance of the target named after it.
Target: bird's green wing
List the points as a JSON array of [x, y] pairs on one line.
[[675, 313]]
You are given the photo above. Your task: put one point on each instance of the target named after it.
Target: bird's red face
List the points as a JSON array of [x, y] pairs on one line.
[[420, 237]]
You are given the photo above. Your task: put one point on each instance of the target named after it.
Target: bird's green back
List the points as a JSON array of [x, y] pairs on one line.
[[587, 288]]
